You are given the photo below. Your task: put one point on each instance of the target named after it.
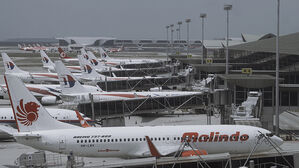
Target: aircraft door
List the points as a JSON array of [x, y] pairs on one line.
[[62, 143]]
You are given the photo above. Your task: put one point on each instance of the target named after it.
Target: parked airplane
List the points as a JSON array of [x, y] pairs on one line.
[[36, 128], [28, 77], [90, 74], [113, 50], [46, 94], [34, 48], [11, 68], [64, 115], [73, 91], [99, 66], [48, 64], [114, 61]]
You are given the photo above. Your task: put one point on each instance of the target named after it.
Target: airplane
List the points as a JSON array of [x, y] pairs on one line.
[[46, 94], [75, 92], [48, 64], [113, 50], [36, 128], [114, 61], [63, 115], [28, 77], [34, 48], [91, 75], [99, 66]]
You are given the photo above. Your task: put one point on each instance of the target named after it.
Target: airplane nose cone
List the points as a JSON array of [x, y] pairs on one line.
[[277, 140]]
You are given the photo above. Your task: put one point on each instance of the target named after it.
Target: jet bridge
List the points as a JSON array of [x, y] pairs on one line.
[[249, 112], [139, 106], [138, 72], [143, 84]]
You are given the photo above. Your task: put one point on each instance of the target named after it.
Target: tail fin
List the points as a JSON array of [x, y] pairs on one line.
[[83, 122], [95, 62], [88, 70], [62, 54], [10, 66], [29, 114], [47, 62], [103, 54], [20, 46], [68, 82]]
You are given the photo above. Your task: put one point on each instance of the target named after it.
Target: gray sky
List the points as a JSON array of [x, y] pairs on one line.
[[141, 19]]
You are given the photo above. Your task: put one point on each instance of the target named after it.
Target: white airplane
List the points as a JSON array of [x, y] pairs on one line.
[[68, 116], [47, 94], [77, 93], [29, 77], [114, 61], [34, 48], [90, 74], [36, 128], [11, 68], [99, 66], [48, 64]]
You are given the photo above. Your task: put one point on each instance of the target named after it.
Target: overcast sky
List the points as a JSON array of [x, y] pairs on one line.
[[141, 19]]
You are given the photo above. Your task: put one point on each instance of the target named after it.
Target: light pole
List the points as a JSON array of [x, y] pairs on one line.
[[167, 27], [202, 16], [277, 75], [227, 8], [177, 36], [171, 30], [179, 23], [188, 21]]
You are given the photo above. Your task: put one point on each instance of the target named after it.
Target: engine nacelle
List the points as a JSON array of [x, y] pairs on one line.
[[49, 100]]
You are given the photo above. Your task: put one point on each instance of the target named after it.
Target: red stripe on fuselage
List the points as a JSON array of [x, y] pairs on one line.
[[47, 75]]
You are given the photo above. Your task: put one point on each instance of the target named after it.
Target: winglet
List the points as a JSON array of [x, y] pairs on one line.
[[152, 148], [83, 122]]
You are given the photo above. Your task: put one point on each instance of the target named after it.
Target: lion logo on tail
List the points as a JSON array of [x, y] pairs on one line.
[[27, 114]]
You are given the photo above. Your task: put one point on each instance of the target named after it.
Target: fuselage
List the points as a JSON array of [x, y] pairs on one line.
[[130, 142], [63, 115]]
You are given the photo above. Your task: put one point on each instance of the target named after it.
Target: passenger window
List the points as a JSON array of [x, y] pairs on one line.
[[81, 141], [155, 139], [125, 139], [77, 141], [89, 140], [140, 139], [97, 140], [128, 139], [85, 140], [159, 139], [136, 139], [108, 140], [167, 138], [119, 140], [100, 140], [174, 138], [151, 139], [115, 140], [111, 140], [143, 139], [163, 139], [93, 141], [132, 139], [104, 140]]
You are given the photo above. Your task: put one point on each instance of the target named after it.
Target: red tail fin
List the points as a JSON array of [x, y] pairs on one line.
[[62, 54], [83, 122]]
